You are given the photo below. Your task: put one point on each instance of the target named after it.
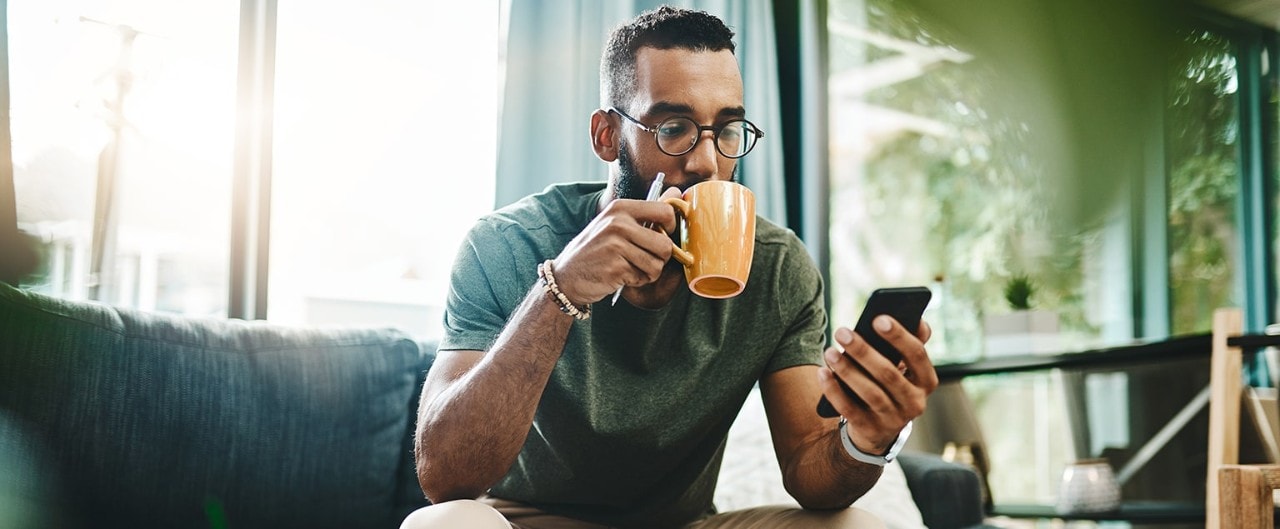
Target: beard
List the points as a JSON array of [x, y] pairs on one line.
[[630, 183]]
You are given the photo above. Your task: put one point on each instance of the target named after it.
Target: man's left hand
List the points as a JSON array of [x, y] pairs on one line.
[[892, 395]]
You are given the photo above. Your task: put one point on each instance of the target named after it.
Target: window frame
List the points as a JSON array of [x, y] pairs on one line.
[[251, 170]]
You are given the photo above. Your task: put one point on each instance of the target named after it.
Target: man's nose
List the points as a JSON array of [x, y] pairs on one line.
[[703, 160]]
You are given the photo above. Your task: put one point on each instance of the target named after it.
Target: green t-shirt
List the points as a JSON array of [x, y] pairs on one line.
[[632, 425]]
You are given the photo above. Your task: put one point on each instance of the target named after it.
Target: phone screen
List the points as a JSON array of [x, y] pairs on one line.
[[905, 304]]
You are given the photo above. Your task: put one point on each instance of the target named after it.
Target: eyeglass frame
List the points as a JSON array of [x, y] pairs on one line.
[[715, 133]]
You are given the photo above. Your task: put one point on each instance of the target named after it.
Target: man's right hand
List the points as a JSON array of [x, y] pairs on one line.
[[616, 249]]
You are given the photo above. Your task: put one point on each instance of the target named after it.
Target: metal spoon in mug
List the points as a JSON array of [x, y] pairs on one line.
[[655, 191]]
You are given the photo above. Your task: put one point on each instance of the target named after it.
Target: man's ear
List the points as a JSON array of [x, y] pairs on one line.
[[604, 137]]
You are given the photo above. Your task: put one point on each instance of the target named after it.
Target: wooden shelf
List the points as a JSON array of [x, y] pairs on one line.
[[1189, 346]]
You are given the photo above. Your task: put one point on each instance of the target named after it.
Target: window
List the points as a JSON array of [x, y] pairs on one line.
[[931, 186], [122, 120], [385, 153]]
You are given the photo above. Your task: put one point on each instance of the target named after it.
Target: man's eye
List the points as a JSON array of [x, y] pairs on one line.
[[674, 128], [733, 132]]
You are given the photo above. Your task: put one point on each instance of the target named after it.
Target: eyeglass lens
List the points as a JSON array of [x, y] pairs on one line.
[[677, 136]]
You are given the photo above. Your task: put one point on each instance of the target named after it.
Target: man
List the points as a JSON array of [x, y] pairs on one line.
[[557, 408]]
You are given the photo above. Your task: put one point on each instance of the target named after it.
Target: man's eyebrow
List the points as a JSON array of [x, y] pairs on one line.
[[668, 107]]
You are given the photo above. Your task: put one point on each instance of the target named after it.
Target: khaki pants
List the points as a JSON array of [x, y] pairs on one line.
[[493, 513]]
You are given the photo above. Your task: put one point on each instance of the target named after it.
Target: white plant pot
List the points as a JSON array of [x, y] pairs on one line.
[[1088, 486], [1022, 332]]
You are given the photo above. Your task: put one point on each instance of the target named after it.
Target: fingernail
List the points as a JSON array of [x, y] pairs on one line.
[[883, 324], [832, 356], [843, 335]]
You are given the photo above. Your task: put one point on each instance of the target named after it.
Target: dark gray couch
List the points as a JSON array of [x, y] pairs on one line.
[[118, 418]]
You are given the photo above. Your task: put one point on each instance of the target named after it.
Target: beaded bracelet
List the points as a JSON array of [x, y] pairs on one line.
[[549, 286]]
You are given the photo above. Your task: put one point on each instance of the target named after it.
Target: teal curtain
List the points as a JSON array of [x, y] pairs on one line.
[[551, 86]]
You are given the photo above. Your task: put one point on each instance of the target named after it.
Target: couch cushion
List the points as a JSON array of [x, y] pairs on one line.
[[166, 421], [27, 492]]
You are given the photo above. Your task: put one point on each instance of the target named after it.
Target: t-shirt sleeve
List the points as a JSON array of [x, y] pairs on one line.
[[478, 302], [801, 306]]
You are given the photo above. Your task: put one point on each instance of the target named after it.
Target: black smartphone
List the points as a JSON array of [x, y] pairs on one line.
[[905, 304]]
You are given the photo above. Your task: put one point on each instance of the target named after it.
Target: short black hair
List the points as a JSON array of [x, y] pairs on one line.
[[664, 28]]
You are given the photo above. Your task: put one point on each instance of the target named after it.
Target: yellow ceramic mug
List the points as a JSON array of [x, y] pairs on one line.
[[717, 237]]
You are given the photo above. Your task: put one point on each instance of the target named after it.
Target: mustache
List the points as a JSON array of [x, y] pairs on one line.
[[684, 186]]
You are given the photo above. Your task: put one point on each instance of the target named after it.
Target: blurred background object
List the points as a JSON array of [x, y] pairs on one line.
[[19, 256]]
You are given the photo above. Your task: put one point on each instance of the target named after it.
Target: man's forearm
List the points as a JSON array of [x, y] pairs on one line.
[[471, 432], [824, 476]]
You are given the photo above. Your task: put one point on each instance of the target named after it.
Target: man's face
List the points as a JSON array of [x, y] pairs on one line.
[[703, 85]]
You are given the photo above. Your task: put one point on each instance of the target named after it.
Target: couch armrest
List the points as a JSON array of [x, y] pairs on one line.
[[949, 495]]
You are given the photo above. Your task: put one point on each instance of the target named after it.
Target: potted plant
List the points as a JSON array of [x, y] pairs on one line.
[[1022, 330], [1017, 291]]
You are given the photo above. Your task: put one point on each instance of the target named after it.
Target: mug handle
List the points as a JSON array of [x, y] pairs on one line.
[[679, 253]]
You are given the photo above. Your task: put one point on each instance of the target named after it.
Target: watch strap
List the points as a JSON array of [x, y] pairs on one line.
[[880, 460]]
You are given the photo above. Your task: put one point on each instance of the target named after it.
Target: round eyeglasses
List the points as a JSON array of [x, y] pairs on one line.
[[677, 136]]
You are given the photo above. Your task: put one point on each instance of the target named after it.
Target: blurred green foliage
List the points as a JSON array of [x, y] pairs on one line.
[[1050, 129], [1202, 142]]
